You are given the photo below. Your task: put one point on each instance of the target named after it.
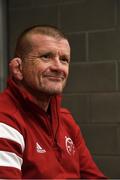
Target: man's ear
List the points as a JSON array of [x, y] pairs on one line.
[[15, 68]]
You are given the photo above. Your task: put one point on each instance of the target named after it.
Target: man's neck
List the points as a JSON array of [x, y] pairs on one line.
[[42, 102], [40, 99]]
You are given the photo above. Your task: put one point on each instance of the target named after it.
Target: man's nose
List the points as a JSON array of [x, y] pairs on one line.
[[56, 64]]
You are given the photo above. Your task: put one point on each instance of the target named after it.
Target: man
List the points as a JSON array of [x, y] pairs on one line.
[[38, 138]]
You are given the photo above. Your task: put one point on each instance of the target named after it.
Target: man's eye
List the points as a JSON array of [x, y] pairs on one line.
[[45, 56], [64, 59]]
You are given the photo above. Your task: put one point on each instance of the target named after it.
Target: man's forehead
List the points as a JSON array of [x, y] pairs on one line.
[[48, 39], [45, 41]]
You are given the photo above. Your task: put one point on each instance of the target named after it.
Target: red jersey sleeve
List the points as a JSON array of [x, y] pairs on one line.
[[11, 149]]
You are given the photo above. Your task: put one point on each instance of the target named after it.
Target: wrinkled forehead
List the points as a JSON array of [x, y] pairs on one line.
[[48, 42]]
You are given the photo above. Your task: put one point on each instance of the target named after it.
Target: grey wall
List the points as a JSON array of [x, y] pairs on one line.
[[3, 43], [93, 90]]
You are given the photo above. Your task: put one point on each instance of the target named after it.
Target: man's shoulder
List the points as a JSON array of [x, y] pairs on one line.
[[65, 111], [9, 112], [68, 117], [7, 105]]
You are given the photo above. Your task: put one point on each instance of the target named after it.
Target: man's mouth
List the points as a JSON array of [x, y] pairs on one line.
[[55, 78]]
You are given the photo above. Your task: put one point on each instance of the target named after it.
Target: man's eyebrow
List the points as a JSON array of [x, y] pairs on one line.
[[46, 53], [52, 53], [66, 55]]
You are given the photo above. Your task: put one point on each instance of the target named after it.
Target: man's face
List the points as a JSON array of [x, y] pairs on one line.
[[46, 67]]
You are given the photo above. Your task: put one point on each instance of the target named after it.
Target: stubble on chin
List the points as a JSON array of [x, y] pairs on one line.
[[54, 89]]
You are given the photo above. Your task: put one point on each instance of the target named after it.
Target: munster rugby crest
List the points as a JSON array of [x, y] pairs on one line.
[[69, 145]]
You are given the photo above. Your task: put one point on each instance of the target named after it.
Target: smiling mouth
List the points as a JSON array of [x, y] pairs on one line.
[[55, 78]]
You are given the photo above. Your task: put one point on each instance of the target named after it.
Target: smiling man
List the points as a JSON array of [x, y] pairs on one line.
[[38, 138]]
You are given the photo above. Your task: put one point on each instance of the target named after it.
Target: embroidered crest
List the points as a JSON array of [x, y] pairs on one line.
[[69, 145]]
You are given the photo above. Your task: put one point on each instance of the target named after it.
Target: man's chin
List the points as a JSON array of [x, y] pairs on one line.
[[53, 91]]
